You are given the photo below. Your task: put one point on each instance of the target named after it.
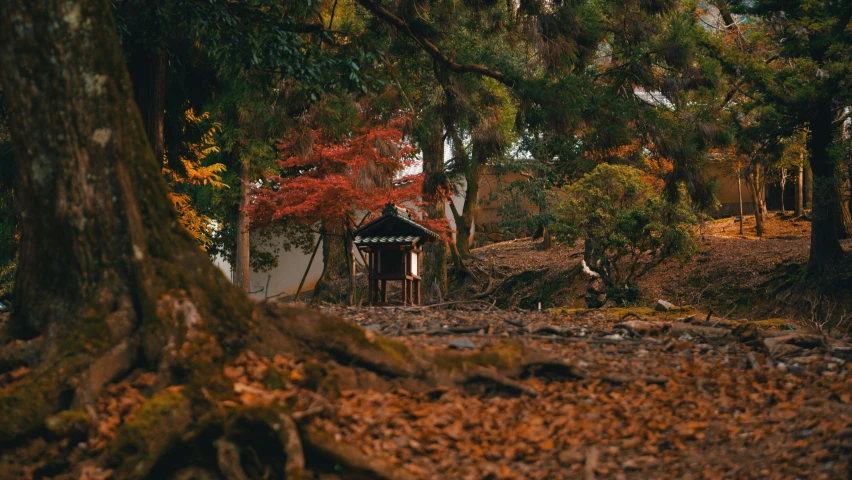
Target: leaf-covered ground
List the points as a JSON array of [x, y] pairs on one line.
[[734, 276], [662, 398], [675, 394], [650, 395]]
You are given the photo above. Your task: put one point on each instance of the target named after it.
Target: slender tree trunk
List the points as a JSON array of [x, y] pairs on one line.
[[740, 192], [755, 181], [825, 245], [844, 217], [844, 220], [149, 72], [783, 184], [800, 200], [105, 266], [333, 285], [465, 220], [435, 255], [809, 188], [849, 186], [242, 256]]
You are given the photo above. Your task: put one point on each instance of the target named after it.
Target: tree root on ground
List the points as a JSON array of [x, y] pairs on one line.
[[197, 430]]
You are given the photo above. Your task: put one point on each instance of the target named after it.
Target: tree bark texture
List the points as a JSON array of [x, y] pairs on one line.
[[333, 284], [465, 220], [242, 255], [756, 182], [435, 255], [825, 245], [149, 73], [844, 217], [809, 188], [107, 275], [800, 198]]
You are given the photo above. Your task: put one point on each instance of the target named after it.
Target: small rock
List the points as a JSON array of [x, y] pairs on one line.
[[686, 337], [688, 319], [461, 343], [663, 306], [782, 367], [614, 336], [374, 326], [641, 352], [796, 368]]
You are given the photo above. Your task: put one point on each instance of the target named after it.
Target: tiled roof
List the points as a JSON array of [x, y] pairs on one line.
[[375, 240]]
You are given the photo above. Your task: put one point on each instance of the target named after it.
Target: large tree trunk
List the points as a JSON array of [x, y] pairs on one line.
[[435, 255], [149, 72], [107, 275], [242, 255], [825, 245], [800, 198]]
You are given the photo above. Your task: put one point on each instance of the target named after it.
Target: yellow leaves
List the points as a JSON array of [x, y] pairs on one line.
[[198, 174]]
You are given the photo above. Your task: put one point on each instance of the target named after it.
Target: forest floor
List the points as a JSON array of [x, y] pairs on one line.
[[733, 276], [663, 395], [630, 392]]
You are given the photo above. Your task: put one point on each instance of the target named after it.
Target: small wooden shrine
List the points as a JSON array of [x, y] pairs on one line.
[[391, 244]]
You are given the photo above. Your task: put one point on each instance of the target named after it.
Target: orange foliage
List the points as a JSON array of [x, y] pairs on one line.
[[329, 179]]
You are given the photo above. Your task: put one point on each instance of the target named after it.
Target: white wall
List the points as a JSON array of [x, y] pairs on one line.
[[284, 279]]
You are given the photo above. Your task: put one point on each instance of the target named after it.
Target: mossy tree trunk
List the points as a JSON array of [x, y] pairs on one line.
[[435, 254], [108, 277]]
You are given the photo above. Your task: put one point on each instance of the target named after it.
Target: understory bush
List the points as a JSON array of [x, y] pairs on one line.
[[627, 226]]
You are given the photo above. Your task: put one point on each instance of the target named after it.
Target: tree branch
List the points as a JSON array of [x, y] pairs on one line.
[[388, 17]]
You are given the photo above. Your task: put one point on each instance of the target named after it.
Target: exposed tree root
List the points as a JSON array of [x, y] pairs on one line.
[[196, 417], [350, 458], [490, 379]]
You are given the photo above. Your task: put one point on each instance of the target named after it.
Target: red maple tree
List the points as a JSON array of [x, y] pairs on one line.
[[327, 178]]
